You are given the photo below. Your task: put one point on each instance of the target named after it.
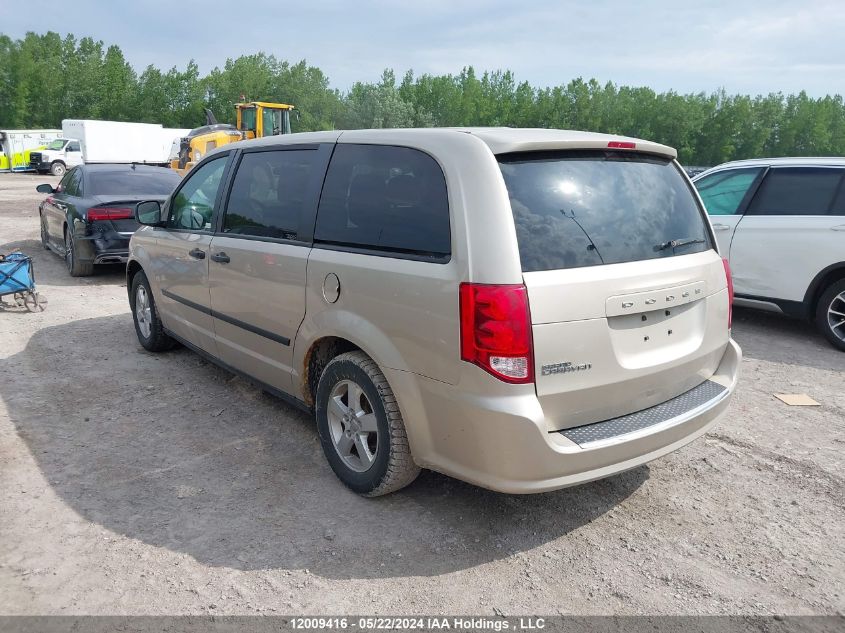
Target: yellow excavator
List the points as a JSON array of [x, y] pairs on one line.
[[255, 119]]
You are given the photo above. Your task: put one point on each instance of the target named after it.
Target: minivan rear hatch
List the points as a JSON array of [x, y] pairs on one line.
[[628, 297]]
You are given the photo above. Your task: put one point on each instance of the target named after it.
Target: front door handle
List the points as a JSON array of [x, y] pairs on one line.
[[221, 258], [197, 253], [721, 227], [838, 227]]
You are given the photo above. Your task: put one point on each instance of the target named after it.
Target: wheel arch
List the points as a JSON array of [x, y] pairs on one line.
[[133, 267], [829, 275], [319, 354]]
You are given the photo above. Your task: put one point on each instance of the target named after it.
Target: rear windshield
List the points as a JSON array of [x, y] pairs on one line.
[[587, 208], [131, 182]]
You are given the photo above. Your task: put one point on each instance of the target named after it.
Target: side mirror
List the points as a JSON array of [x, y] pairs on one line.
[[148, 212], [45, 189]]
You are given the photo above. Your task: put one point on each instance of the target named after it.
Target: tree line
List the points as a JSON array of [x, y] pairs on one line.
[[47, 78]]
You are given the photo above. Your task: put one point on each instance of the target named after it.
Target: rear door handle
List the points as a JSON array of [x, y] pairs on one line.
[[838, 227], [721, 227], [221, 258], [197, 253]]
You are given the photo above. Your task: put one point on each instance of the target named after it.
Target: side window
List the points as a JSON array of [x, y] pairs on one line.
[[838, 207], [796, 191], [193, 205], [724, 191], [63, 183], [268, 193], [73, 187], [385, 198], [73, 146]]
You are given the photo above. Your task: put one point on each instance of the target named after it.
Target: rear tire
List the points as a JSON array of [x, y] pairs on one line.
[[830, 314], [148, 325], [361, 428], [58, 168], [75, 267]]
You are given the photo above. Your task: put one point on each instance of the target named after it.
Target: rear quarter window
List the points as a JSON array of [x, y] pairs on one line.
[[797, 191], [387, 199], [588, 208]]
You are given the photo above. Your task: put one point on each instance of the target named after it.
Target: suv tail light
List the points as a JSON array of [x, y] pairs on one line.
[[496, 330], [730, 280], [110, 213]]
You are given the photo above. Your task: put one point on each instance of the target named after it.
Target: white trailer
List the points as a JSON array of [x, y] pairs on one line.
[[118, 142], [16, 145], [92, 141]]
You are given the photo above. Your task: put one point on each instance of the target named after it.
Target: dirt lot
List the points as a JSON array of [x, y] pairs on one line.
[[133, 483]]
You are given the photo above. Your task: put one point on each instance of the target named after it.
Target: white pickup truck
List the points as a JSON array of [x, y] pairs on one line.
[[90, 141]]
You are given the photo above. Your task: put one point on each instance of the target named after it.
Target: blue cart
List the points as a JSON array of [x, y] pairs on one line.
[[17, 279]]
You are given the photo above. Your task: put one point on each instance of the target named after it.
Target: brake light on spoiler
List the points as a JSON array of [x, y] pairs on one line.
[[110, 213], [622, 145]]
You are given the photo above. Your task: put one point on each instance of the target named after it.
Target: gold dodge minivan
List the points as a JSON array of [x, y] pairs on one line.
[[521, 309]]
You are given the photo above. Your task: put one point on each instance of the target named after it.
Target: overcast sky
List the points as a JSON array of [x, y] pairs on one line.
[[688, 46]]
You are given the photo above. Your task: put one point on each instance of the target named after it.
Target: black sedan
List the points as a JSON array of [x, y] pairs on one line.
[[89, 218]]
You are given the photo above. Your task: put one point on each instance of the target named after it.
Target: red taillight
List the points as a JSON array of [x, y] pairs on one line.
[[110, 213], [730, 291], [622, 145], [496, 330]]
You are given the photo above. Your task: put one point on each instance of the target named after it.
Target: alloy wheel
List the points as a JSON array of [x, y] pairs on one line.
[[836, 316], [353, 425], [69, 250], [143, 312]]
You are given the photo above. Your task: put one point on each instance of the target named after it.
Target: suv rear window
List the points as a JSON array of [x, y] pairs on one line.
[[385, 198], [588, 208]]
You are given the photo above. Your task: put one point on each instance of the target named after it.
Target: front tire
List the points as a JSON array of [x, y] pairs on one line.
[[58, 168], [148, 325], [75, 267], [45, 237], [830, 314], [361, 428]]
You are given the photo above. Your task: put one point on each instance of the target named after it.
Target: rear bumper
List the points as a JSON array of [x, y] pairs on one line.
[[503, 443], [112, 257], [101, 244]]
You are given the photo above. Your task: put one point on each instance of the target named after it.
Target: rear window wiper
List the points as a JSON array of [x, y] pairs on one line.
[[676, 243]]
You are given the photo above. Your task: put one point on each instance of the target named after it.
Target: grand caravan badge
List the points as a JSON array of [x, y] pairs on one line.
[[565, 368]]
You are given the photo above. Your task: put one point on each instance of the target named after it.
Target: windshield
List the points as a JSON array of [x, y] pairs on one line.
[[133, 182], [57, 144], [587, 208]]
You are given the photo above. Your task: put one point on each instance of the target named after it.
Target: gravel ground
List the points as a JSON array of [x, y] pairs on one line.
[[133, 483]]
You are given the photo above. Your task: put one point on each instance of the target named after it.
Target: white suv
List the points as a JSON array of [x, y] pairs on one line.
[[781, 224]]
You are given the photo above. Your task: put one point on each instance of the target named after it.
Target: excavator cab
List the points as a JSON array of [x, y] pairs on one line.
[[258, 119]]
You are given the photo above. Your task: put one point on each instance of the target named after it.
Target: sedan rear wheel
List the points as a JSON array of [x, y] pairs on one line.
[[75, 267]]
